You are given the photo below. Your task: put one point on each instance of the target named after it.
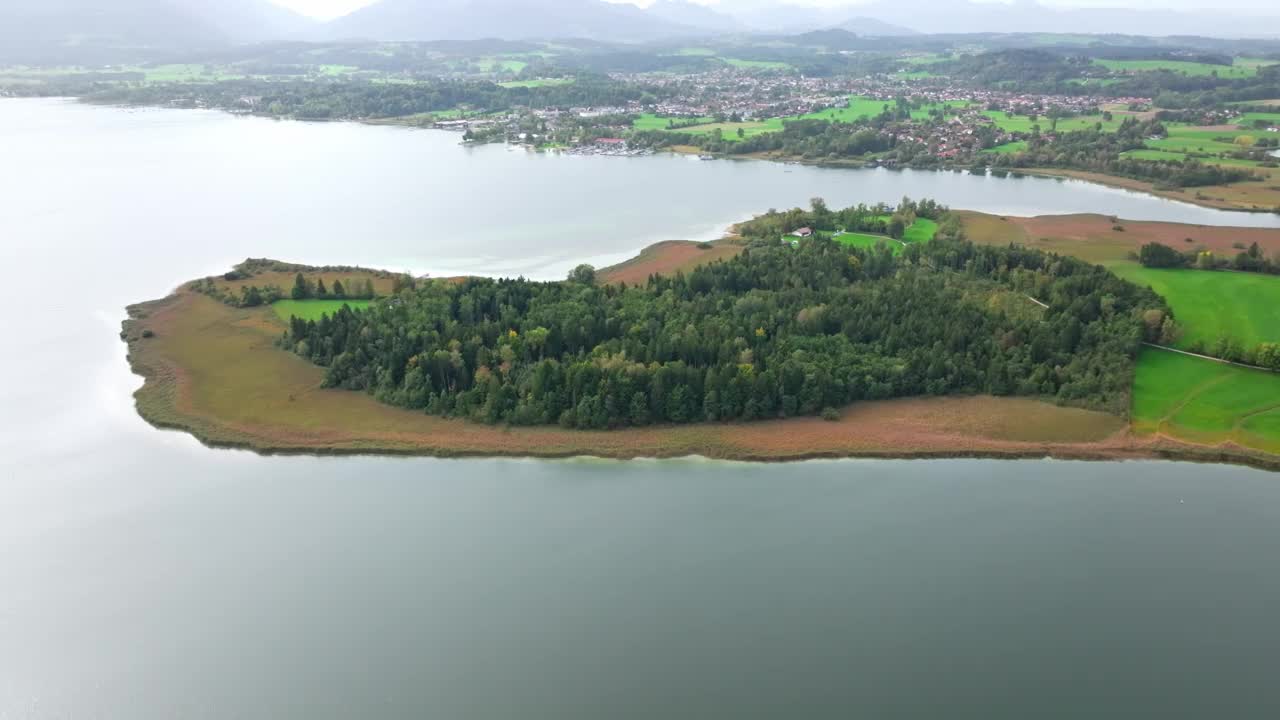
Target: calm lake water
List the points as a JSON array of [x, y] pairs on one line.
[[144, 576]]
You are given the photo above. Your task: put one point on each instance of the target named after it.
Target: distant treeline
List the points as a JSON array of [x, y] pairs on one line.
[[1251, 259], [1073, 72], [1095, 150], [353, 99], [775, 332]]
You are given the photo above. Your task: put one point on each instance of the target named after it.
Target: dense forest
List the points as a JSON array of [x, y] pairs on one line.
[[775, 332]]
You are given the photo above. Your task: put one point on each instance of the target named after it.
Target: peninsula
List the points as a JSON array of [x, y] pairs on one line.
[[876, 331]]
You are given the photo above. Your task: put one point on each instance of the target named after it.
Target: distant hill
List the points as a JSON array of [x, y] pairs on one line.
[[40, 30], [1029, 16], [871, 27], [698, 17], [505, 19], [838, 39]]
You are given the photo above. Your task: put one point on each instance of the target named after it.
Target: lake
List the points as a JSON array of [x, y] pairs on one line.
[[144, 576]]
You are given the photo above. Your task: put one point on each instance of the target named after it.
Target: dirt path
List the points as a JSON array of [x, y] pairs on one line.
[[1207, 357]]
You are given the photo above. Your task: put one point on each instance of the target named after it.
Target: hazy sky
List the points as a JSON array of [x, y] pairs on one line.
[[334, 8]]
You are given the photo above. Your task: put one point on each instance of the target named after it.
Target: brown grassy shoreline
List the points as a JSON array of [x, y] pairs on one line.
[[214, 372]]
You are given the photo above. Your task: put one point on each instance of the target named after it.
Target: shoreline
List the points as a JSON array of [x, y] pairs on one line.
[[1112, 181], [176, 397]]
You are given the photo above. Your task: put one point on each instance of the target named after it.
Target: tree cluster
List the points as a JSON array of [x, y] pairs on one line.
[[775, 332], [1095, 150]]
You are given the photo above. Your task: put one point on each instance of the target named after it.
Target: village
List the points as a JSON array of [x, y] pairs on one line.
[[963, 120]]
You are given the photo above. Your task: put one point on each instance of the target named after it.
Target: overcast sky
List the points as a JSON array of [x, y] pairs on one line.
[[334, 8]]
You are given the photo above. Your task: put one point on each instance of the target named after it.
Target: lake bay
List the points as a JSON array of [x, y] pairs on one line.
[[145, 576]]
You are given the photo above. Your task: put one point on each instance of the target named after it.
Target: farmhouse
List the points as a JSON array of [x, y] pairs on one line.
[[803, 232]]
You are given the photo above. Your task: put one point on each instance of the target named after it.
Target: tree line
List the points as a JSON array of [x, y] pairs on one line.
[[1096, 150], [774, 332], [345, 99]]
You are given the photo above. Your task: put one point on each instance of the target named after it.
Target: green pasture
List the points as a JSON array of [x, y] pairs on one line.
[[860, 107], [866, 241], [1181, 67], [1206, 402], [729, 130], [756, 64], [925, 59], [1248, 119], [1016, 146], [313, 309], [1214, 304], [921, 231], [502, 65], [1023, 124], [650, 121], [540, 82]]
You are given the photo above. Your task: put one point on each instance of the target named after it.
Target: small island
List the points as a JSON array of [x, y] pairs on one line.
[[868, 331]]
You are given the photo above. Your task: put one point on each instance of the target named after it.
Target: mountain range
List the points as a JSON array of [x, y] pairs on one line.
[[50, 27]]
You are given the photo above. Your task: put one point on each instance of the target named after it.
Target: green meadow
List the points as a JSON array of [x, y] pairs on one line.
[[756, 64], [1249, 119], [860, 107], [925, 59], [1213, 304], [921, 231], [729, 130], [1245, 69], [540, 82], [863, 240], [1016, 146], [313, 309], [1195, 139], [1206, 402], [1200, 400], [650, 121], [502, 65], [1022, 123]]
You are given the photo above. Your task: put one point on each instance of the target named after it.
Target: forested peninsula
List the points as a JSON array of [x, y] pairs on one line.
[[780, 330], [867, 331]]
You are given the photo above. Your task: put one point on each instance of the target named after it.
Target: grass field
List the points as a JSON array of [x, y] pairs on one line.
[[177, 73], [313, 309], [1206, 402], [1248, 119], [502, 65], [1199, 400], [730, 129], [650, 121], [1022, 123], [925, 59], [1245, 69], [756, 64], [1201, 140], [540, 82], [1016, 146], [860, 107], [1211, 305], [1160, 155], [921, 231], [863, 240]]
